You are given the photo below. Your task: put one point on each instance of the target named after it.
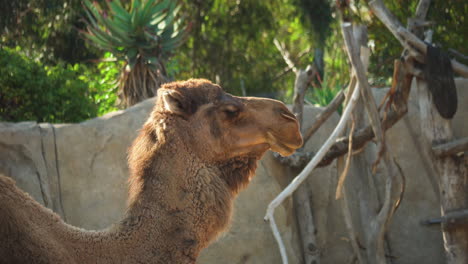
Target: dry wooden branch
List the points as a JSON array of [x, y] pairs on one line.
[[307, 226], [451, 148], [388, 19], [360, 138], [324, 115], [288, 68], [286, 55], [459, 68], [450, 220], [310, 166], [422, 9], [367, 197], [366, 93], [376, 235], [301, 198], [457, 54], [303, 78], [277, 235], [296, 161], [405, 37], [350, 228], [341, 180]]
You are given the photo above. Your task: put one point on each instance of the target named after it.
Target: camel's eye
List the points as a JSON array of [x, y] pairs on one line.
[[230, 111]]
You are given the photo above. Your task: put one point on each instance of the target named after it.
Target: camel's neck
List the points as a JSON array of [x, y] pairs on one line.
[[178, 205]]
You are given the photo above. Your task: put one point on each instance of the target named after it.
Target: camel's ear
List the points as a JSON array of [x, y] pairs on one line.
[[174, 102]]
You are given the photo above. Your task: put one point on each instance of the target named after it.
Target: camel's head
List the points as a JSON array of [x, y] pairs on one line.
[[221, 126]]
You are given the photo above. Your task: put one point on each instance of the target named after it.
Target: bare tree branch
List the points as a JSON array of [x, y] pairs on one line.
[[349, 226], [277, 235], [376, 235], [450, 220], [360, 138], [458, 54], [358, 67], [404, 36], [422, 9], [344, 173], [286, 55], [451, 148], [288, 68], [301, 198], [311, 165]]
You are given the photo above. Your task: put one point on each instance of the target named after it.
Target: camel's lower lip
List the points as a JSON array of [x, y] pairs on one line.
[[283, 149]]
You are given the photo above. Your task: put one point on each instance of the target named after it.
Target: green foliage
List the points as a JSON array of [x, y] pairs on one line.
[[231, 42], [45, 30], [31, 91], [148, 31], [144, 36], [101, 80], [323, 96], [316, 15]]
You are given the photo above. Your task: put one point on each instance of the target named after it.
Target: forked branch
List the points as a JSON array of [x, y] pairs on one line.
[[308, 169], [405, 37]]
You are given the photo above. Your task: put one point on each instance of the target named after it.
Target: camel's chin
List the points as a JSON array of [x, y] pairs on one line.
[[283, 150]]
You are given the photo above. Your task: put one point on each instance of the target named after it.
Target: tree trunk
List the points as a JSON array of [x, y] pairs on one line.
[[302, 196], [453, 176]]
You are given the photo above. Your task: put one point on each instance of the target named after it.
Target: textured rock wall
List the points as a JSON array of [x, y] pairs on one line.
[[80, 171]]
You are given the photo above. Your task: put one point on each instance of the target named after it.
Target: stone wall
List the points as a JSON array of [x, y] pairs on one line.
[[80, 171]]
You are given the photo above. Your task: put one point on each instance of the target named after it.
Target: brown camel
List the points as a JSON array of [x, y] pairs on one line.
[[197, 150]]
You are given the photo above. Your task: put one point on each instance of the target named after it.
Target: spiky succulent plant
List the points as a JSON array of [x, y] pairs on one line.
[[143, 36]]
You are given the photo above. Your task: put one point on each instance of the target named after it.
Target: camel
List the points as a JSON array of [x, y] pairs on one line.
[[197, 150]]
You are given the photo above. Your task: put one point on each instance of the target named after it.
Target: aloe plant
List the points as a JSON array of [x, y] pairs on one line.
[[144, 36]]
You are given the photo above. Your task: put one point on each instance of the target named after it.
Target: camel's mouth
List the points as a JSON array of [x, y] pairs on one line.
[[284, 147]]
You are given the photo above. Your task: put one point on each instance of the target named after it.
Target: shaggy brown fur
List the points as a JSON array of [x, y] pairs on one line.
[[197, 150]]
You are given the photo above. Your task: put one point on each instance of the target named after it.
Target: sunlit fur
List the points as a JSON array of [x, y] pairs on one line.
[[194, 154]]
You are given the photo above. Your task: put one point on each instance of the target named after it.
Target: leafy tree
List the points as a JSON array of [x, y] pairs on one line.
[[316, 15], [31, 91], [231, 42], [143, 36], [101, 79], [45, 29]]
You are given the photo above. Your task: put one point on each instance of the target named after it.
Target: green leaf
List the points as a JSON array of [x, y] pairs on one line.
[[132, 54], [119, 11], [102, 44], [152, 60], [152, 38], [157, 19], [135, 12], [102, 36], [172, 12], [159, 9], [173, 43], [146, 11], [117, 32]]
